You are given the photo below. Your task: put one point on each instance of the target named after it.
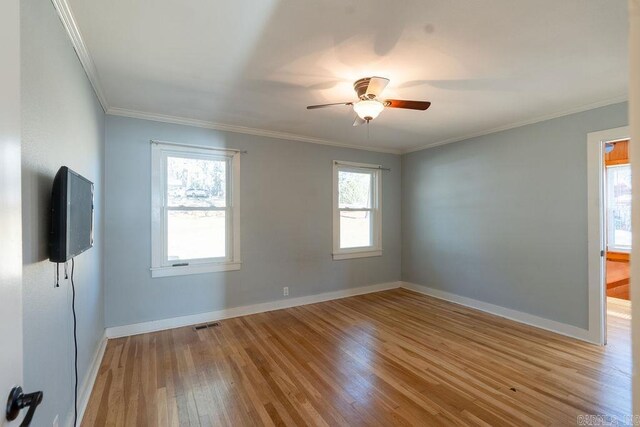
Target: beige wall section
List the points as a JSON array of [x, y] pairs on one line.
[[634, 122]]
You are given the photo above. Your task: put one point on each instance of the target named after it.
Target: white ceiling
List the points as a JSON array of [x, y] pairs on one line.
[[256, 64]]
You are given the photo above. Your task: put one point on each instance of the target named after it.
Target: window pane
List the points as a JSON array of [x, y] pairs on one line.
[[354, 189], [196, 234], [196, 182], [355, 229], [619, 207]]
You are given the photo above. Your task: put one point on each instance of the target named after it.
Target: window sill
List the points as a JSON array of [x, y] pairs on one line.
[[194, 269], [349, 255]]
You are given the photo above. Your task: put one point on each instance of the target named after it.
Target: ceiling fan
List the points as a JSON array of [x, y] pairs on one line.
[[368, 106]]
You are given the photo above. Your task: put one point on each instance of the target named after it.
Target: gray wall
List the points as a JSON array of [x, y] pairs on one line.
[[286, 225], [63, 124], [502, 218]]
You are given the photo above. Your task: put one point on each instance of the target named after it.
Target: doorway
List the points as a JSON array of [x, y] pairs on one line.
[[616, 201], [607, 239]]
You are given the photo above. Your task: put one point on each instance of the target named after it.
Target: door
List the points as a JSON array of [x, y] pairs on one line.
[[597, 228], [10, 206]]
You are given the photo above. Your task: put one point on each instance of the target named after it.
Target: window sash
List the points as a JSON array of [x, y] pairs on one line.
[[228, 196], [194, 156], [228, 227], [161, 266], [372, 224], [372, 184], [375, 212], [166, 262]]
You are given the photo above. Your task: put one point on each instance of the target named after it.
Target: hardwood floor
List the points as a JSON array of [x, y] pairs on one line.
[[389, 358]]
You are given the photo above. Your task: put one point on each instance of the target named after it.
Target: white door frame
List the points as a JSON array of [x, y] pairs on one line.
[[596, 230], [634, 122], [10, 207]]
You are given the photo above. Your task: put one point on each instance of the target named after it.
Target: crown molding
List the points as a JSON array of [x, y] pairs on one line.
[[240, 129], [514, 125], [73, 31], [69, 23]]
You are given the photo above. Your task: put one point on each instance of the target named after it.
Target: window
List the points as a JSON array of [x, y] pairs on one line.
[[195, 210], [357, 210], [619, 208]]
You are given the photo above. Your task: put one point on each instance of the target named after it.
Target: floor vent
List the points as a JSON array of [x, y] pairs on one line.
[[206, 325]]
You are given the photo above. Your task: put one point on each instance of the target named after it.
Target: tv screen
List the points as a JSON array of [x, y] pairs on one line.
[[71, 215]]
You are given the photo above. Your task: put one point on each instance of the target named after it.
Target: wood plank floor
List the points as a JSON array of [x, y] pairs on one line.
[[389, 358]]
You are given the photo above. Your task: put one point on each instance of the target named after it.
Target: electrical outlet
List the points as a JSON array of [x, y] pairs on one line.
[[55, 421], [285, 291]]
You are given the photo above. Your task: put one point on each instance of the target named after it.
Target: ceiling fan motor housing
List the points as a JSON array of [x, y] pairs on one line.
[[360, 86]]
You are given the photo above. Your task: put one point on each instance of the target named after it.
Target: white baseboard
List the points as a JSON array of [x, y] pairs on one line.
[[518, 316], [86, 387], [177, 322]]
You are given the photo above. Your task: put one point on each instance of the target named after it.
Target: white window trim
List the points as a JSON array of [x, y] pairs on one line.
[[159, 266], [376, 211]]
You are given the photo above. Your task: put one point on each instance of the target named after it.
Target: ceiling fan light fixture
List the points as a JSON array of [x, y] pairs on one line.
[[369, 104], [368, 109]]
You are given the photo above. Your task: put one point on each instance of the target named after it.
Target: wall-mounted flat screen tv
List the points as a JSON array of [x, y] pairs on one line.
[[71, 215]]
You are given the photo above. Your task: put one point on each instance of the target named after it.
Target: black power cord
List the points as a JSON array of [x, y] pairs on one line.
[[75, 346]]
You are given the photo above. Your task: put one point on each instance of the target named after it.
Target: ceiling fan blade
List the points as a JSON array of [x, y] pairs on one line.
[[313, 107], [376, 86], [358, 121], [403, 103]]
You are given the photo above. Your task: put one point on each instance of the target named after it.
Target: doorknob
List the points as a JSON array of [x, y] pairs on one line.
[[18, 401]]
